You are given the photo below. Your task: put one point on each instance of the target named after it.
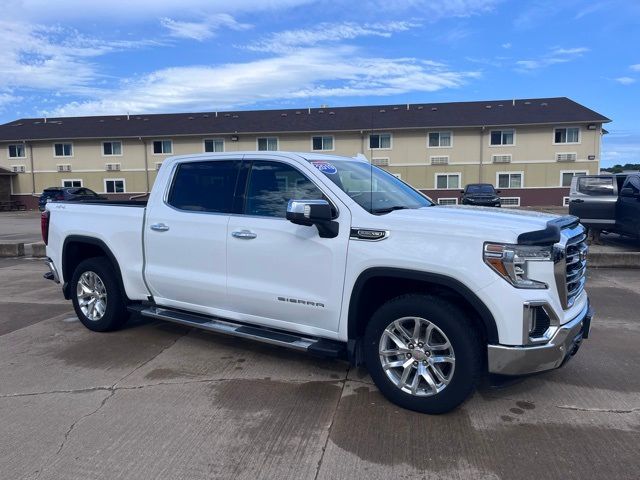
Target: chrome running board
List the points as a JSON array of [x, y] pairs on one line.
[[316, 346]]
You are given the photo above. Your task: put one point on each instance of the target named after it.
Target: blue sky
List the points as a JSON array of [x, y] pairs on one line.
[[80, 57]]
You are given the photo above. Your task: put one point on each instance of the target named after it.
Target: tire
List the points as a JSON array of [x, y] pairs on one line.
[[455, 374], [96, 295]]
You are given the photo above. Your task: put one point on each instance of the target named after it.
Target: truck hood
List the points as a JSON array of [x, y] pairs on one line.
[[491, 223]]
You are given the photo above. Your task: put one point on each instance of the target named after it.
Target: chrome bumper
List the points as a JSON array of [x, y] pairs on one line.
[[52, 274], [521, 360]]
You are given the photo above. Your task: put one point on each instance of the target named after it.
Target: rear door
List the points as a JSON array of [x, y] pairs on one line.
[[186, 236], [593, 199]]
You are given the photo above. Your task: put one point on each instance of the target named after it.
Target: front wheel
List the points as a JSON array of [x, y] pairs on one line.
[[423, 353], [96, 295]]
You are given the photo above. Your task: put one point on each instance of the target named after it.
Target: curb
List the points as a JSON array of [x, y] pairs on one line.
[[35, 250]]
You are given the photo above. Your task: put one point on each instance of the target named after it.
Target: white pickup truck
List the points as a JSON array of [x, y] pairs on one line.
[[335, 257]]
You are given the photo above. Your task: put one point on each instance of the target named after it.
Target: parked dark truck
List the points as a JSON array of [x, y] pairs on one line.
[[480, 194], [609, 203]]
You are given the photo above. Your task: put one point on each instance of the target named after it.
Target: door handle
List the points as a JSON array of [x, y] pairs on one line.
[[159, 227], [577, 200], [244, 234]]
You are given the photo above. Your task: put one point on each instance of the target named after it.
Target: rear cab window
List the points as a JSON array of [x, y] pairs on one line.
[[596, 186], [207, 186]]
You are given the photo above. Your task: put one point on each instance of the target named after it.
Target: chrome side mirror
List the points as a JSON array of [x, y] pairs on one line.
[[313, 212]]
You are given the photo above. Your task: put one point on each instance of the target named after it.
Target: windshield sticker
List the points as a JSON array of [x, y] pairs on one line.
[[325, 167]]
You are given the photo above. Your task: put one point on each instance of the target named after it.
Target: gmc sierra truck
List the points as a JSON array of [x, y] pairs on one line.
[[335, 257]]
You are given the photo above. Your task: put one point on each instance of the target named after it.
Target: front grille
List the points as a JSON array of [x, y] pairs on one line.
[[576, 267]]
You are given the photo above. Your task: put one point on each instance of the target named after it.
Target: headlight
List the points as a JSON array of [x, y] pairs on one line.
[[510, 262]]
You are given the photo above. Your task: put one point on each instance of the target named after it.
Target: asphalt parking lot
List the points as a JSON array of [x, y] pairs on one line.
[[161, 401]]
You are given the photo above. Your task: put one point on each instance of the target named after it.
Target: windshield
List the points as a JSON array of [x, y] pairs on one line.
[[480, 189], [374, 189]]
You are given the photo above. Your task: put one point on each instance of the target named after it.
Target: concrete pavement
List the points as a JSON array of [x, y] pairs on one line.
[[162, 401]]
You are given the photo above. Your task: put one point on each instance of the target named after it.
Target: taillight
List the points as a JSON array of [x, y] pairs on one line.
[[44, 226]]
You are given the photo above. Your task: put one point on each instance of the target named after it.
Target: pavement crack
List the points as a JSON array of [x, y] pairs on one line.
[[602, 410], [333, 417], [112, 392]]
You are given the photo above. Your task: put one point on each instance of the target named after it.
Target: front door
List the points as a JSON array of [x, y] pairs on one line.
[[280, 274], [186, 236], [629, 206]]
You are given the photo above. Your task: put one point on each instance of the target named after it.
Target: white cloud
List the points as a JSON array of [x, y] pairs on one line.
[[305, 73], [506, 45], [202, 30], [554, 56], [52, 58], [635, 68], [288, 40], [625, 80]]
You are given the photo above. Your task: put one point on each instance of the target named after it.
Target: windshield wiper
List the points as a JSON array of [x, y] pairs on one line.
[[389, 209]]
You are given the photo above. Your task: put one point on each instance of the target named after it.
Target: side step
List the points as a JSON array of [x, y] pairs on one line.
[[315, 346]]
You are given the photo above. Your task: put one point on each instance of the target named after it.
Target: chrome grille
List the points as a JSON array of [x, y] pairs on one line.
[[575, 267]]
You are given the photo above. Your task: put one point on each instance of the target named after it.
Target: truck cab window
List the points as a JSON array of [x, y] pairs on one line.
[[205, 186], [272, 185]]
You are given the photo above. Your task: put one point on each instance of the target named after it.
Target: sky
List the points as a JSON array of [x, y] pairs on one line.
[[85, 57]]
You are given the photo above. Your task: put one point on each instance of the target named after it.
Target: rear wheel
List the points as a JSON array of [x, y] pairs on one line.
[[423, 353], [97, 299]]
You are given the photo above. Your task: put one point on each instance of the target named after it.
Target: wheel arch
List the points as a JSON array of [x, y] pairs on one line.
[[383, 283], [77, 248]]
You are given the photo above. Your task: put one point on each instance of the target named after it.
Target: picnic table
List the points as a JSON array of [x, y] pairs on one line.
[[12, 205]]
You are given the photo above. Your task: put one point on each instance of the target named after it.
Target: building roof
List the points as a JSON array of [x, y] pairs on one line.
[[366, 118]]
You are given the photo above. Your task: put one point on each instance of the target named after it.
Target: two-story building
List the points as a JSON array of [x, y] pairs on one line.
[[528, 148]]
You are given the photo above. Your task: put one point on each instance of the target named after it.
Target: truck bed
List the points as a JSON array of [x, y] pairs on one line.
[[117, 225]]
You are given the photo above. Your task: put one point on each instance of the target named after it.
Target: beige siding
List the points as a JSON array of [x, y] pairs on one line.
[[533, 153]]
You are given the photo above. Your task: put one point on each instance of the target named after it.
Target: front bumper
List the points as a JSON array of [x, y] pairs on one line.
[[521, 360]]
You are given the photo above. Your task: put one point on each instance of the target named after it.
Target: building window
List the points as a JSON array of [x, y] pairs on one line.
[[510, 201], [72, 183], [566, 135], [214, 145], [113, 148], [162, 147], [112, 167], [64, 167], [18, 168], [16, 151], [324, 142], [63, 149], [566, 177], [268, 144], [114, 185], [502, 137], [440, 139], [509, 180], [380, 141], [447, 201], [447, 180]]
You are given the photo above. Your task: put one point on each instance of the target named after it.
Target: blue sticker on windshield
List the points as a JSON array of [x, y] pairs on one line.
[[325, 167]]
